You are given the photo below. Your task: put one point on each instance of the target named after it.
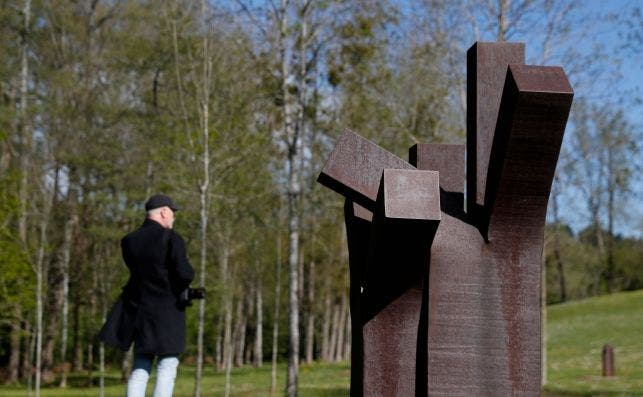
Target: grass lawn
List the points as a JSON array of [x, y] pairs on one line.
[[577, 332]]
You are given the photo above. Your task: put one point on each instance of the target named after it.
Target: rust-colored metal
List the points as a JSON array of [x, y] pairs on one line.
[[451, 300], [486, 70], [354, 168], [608, 360], [484, 289]]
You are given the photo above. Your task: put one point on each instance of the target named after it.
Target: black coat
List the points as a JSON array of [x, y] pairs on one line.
[[159, 271]]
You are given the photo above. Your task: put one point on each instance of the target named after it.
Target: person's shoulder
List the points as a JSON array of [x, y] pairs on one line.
[[176, 237]]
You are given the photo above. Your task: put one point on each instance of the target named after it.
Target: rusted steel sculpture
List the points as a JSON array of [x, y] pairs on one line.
[[446, 301]]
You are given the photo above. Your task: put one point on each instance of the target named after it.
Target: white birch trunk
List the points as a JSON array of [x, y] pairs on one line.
[[310, 326], [275, 321], [204, 190], [25, 126]]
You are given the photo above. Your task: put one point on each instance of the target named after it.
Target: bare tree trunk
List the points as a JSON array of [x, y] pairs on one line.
[[40, 275], [90, 364], [78, 346], [126, 364], [66, 256], [204, 190], [609, 277], [310, 326], [30, 373], [14, 357], [25, 125], [325, 349], [275, 320], [343, 313], [53, 304], [258, 353], [502, 19], [248, 349], [218, 341], [332, 347], [239, 335], [293, 212], [348, 336], [227, 344]]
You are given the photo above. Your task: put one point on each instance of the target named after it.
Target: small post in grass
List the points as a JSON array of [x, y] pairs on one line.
[[608, 360]]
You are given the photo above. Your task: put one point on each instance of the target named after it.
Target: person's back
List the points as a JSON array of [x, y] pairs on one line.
[[159, 273]]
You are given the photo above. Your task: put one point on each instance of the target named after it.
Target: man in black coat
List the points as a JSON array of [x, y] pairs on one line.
[[159, 272]]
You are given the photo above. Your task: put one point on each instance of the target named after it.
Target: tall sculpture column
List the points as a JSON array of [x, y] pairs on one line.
[[447, 301]]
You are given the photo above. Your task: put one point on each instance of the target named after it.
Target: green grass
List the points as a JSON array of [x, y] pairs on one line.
[[577, 332], [315, 380]]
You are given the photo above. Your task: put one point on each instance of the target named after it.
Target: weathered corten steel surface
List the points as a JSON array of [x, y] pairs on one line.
[[396, 270], [354, 168], [484, 296], [486, 71], [445, 302]]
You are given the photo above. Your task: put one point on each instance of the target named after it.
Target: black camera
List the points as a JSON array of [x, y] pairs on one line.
[[189, 294]]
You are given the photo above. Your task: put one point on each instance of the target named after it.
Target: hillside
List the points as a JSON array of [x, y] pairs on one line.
[[577, 332]]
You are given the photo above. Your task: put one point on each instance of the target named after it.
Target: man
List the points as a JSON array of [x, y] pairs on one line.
[[159, 273]]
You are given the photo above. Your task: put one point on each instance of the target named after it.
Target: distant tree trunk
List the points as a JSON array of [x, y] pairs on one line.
[[78, 344], [332, 346], [25, 365], [556, 248], [275, 320], [218, 348], [310, 326], [502, 19], [239, 335], [348, 336], [40, 275], [341, 327], [53, 303], [248, 349], [31, 351], [25, 127], [66, 256], [227, 344], [90, 364], [126, 364], [325, 345], [609, 277], [204, 190], [14, 356], [258, 352]]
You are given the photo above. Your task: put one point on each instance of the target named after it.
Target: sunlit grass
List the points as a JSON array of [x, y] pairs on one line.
[[577, 332]]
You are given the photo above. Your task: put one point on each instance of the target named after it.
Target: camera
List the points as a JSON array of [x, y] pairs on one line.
[[189, 294]]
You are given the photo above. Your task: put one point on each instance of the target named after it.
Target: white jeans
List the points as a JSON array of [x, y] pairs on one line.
[[165, 375]]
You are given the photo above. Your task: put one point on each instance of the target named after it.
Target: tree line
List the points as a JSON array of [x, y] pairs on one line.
[[231, 108]]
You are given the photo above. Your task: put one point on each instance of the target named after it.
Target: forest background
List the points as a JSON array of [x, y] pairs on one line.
[[230, 108]]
